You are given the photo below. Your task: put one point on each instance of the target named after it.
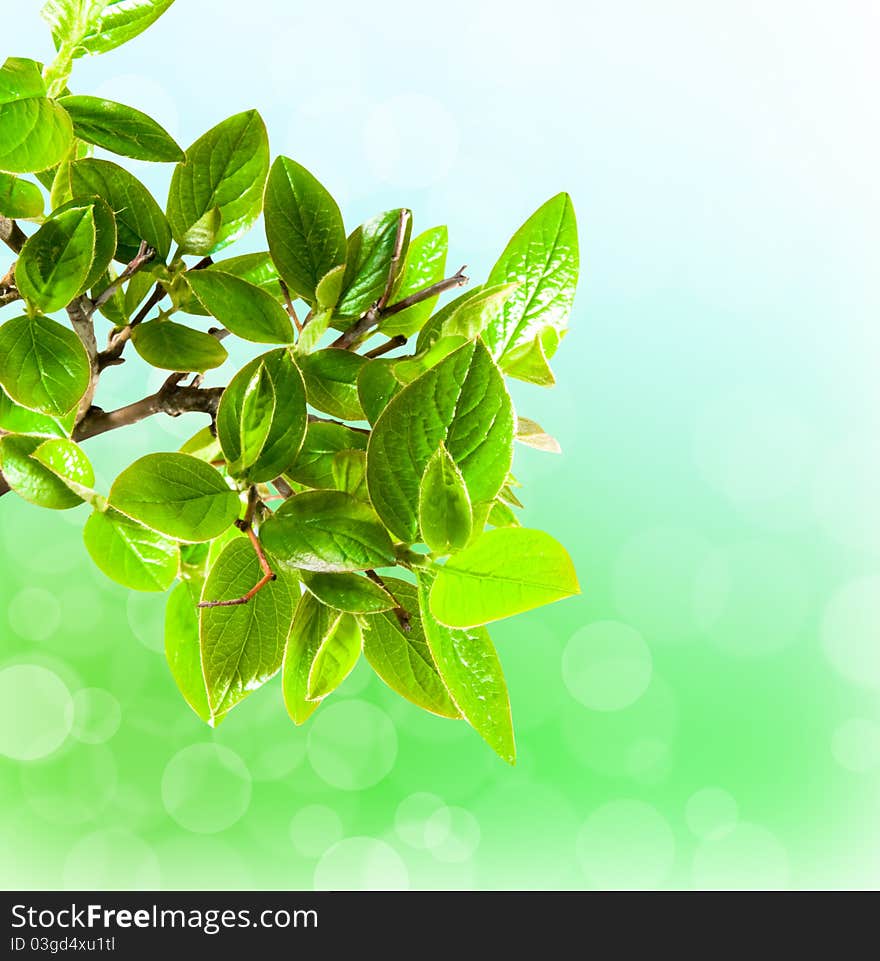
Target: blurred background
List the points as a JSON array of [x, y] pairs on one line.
[[706, 714]]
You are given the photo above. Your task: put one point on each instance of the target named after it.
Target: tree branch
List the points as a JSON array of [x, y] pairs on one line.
[[144, 255], [395, 260], [389, 345], [12, 235]]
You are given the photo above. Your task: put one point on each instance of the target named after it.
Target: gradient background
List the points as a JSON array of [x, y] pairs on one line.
[[706, 714]]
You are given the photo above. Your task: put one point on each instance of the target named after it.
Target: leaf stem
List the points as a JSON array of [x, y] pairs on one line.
[[400, 612]]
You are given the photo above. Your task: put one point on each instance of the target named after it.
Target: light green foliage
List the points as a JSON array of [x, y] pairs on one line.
[[349, 487]]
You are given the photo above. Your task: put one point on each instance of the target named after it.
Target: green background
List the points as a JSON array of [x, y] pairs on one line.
[[706, 713]]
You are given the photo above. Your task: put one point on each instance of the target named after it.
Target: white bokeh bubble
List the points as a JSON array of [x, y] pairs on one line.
[[649, 760], [36, 712], [361, 864], [206, 788], [146, 617], [410, 140], [192, 862], [315, 828], [606, 665], [850, 631], [34, 613], [747, 858], [626, 844], [855, 745], [657, 583], [845, 493], [96, 715], [412, 816], [753, 448], [711, 813], [352, 745], [452, 834], [113, 859]]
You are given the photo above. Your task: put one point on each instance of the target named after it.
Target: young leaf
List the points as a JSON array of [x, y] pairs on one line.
[[331, 382], [242, 645], [171, 346], [303, 226], [350, 473], [257, 413], [314, 464], [43, 366], [224, 170], [327, 531], [348, 592], [469, 318], [542, 257], [312, 623], [129, 553], [368, 262], [425, 265], [376, 386], [66, 461], [336, 658], [462, 403], [503, 572], [39, 483], [402, 658], [204, 445], [182, 649], [16, 419], [445, 515], [256, 269], [468, 664], [107, 24], [532, 434], [105, 234], [35, 133], [177, 495], [120, 129], [54, 264], [313, 331], [138, 216], [19, 198], [241, 307], [529, 362], [329, 288], [289, 418], [502, 515]]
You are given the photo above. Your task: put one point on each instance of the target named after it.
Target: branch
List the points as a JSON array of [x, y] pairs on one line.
[[400, 612], [144, 255], [395, 260], [388, 346], [288, 303], [119, 338], [12, 235]]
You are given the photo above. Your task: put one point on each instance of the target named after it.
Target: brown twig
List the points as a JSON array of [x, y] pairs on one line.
[[170, 399], [288, 303], [402, 221], [144, 255], [400, 612], [388, 346], [12, 235], [246, 524]]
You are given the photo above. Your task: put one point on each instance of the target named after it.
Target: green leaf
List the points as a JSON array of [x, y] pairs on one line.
[[257, 413], [335, 659], [353, 593], [331, 382], [461, 403], [470, 317], [503, 572], [529, 362], [327, 531], [402, 658], [542, 257], [129, 553], [425, 265], [242, 645], [105, 234], [314, 464], [313, 622], [67, 462], [138, 216], [471, 672], [36, 482], [35, 133], [19, 198], [225, 169], [46, 482], [289, 418], [19, 420], [108, 24], [303, 226], [120, 129], [204, 445], [350, 473], [376, 386], [502, 515], [256, 269], [532, 434], [43, 366], [445, 515], [329, 288], [176, 494], [368, 262], [203, 234], [55, 263], [241, 307], [313, 331], [182, 650], [114, 308], [171, 346], [140, 285]]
